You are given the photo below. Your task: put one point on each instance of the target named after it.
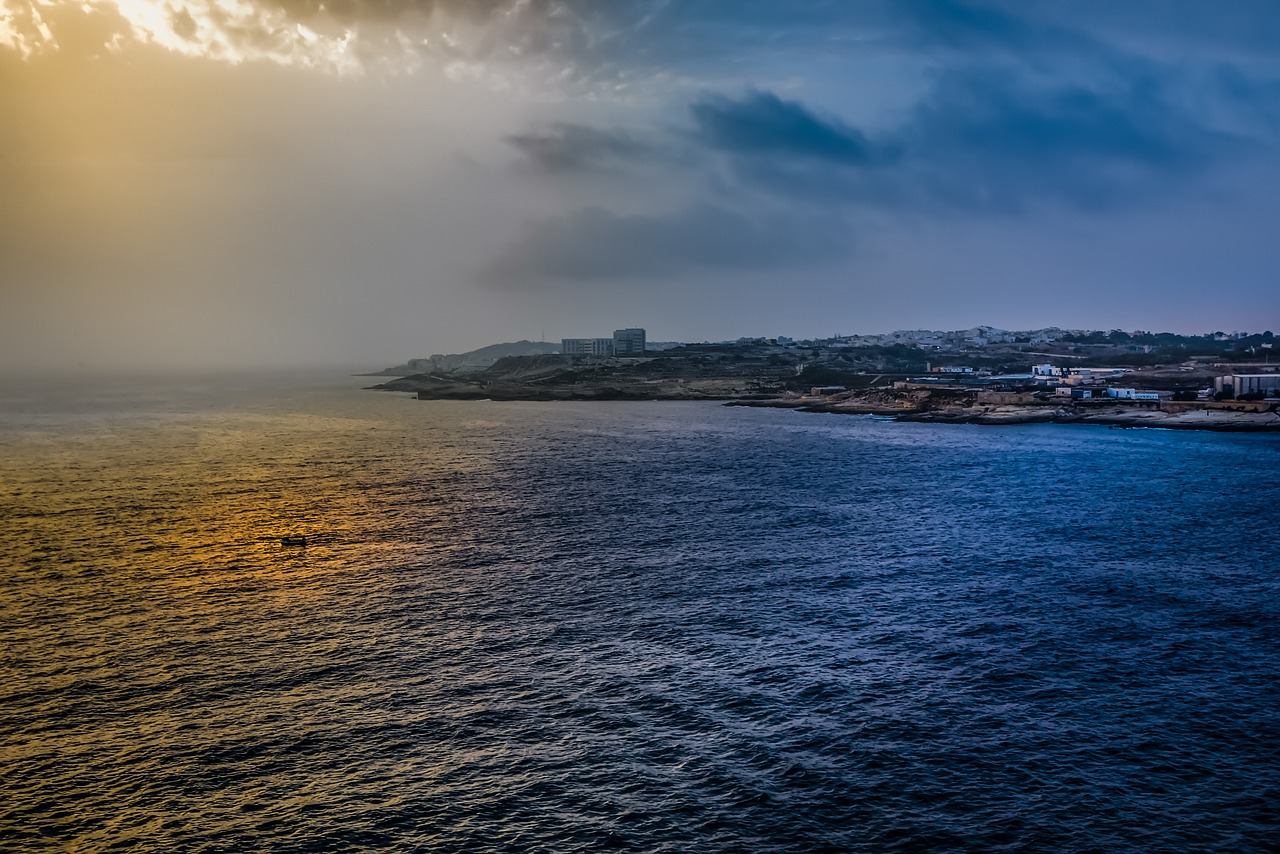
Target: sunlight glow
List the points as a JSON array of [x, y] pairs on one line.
[[233, 31], [23, 29], [244, 31]]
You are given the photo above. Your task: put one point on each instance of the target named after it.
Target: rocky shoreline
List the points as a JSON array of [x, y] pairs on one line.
[[934, 407]]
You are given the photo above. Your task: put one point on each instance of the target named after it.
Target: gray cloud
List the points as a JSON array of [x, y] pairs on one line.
[[980, 142], [564, 147]]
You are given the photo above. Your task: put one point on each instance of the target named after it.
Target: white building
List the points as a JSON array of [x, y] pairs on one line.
[[1132, 394]]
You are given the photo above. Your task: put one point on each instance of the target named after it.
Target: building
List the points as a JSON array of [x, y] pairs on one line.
[[586, 346], [628, 342], [1132, 394], [625, 342], [1092, 376], [1239, 384]]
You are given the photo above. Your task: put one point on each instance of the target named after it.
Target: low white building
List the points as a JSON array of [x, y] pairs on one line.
[[1132, 394]]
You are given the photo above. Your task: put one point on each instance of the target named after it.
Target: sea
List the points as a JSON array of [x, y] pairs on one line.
[[625, 626]]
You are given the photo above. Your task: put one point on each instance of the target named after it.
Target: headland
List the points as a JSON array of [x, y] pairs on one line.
[[1049, 376]]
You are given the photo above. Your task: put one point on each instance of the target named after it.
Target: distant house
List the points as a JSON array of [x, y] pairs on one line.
[[1081, 394]]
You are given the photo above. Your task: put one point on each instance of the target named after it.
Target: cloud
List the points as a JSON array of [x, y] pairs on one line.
[[761, 123], [594, 244], [462, 38], [584, 40], [969, 26], [564, 147], [983, 139], [1256, 98], [980, 140], [617, 46]]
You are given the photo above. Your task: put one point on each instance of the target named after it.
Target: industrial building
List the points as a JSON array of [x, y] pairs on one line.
[[1239, 384]]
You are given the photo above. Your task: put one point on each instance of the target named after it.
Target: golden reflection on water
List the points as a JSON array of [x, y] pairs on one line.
[[194, 497]]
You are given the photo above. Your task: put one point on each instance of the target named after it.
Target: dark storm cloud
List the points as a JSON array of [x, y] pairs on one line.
[[569, 147], [597, 244]]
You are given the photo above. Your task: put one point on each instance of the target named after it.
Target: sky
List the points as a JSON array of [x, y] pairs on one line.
[[227, 183]]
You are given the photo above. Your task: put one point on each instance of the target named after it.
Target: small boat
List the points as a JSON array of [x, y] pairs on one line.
[[293, 541]]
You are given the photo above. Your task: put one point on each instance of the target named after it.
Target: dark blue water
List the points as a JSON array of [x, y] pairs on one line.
[[626, 626]]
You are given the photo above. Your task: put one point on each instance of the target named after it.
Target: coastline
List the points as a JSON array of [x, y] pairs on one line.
[[553, 378], [1229, 417]]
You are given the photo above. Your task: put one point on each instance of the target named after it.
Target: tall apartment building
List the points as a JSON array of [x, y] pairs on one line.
[[628, 342]]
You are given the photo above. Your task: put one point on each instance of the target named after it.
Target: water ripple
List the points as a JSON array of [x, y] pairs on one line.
[[572, 627]]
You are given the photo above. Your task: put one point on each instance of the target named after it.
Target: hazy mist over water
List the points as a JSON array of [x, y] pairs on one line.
[[636, 626]]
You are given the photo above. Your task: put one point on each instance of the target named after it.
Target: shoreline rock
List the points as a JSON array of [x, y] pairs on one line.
[[1220, 420]]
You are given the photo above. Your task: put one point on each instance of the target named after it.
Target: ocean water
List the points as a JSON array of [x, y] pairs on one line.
[[624, 626]]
